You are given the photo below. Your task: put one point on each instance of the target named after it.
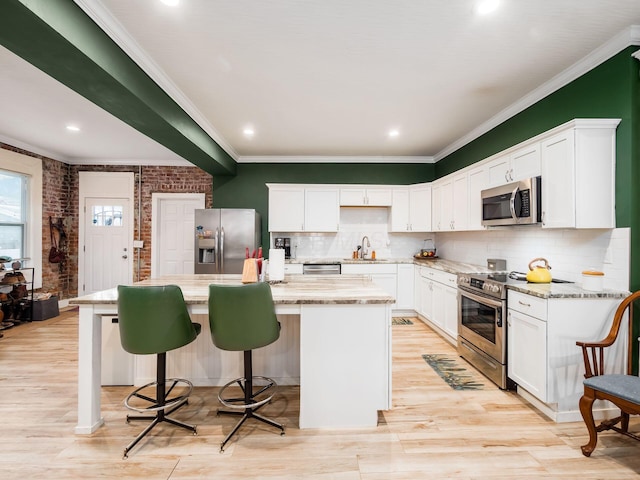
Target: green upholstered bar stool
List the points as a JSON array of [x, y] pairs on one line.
[[155, 320], [243, 318]]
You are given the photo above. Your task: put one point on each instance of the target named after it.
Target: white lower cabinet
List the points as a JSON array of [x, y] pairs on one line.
[[405, 287], [437, 300], [527, 352], [543, 358], [383, 275], [450, 300]]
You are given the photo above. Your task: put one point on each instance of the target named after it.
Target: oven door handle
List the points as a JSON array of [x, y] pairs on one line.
[[492, 302]]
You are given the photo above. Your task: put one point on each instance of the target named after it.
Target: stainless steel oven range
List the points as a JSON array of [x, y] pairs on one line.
[[482, 324]]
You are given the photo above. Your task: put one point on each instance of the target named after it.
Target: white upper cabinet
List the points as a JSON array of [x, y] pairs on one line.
[[286, 208], [411, 209], [498, 169], [399, 219], [321, 209], [460, 212], [578, 175], [365, 196], [296, 208], [521, 163], [525, 162], [478, 180], [420, 208], [450, 203]]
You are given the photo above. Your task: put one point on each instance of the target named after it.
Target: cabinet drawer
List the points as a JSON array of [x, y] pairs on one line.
[[448, 279], [528, 304], [293, 268], [368, 269]]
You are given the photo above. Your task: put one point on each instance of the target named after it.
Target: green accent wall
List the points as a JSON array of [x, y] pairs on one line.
[[247, 189], [607, 91]]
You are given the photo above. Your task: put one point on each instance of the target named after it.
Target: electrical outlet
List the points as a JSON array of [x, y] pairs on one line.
[[608, 255]]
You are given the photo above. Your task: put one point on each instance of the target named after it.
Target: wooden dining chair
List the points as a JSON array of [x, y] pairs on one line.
[[623, 390]]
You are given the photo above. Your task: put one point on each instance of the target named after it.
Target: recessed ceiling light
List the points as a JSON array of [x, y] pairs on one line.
[[393, 133], [171, 3], [483, 7], [248, 132], [73, 128]]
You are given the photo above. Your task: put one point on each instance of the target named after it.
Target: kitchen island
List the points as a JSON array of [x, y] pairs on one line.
[[337, 329]]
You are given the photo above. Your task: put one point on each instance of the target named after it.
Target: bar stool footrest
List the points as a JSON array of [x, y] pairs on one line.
[[171, 403], [262, 393]]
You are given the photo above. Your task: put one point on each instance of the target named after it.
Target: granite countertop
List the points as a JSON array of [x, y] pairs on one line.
[[451, 266], [563, 290], [315, 261], [295, 290], [542, 290]]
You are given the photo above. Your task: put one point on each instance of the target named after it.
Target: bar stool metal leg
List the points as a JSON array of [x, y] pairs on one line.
[[248, 403], [159, 404]]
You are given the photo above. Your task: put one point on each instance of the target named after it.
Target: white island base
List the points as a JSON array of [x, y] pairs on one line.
[[339, 354]]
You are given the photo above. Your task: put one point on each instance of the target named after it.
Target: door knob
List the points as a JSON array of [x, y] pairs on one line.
[[124, 256]]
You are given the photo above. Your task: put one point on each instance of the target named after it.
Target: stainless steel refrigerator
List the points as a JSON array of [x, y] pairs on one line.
[[222, 237]]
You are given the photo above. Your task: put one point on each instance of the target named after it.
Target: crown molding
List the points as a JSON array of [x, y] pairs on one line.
[[130, 161], [13, 142], [332, 159], [27, 147], [628, 37], [107, 22]]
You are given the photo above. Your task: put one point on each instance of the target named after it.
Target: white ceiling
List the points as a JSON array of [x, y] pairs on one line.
[[322, 78]]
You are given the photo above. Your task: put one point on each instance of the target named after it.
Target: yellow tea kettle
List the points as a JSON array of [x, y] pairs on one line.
[[539, 274]]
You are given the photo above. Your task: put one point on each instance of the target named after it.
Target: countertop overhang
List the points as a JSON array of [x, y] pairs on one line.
[[294, 290]]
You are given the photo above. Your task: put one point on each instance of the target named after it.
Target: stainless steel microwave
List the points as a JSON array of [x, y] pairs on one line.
[[517, 203]]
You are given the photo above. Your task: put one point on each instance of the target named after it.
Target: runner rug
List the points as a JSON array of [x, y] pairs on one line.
[[452, 372], [401, 321]]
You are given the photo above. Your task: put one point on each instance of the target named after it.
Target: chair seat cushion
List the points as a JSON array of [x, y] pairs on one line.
[[626, 387]]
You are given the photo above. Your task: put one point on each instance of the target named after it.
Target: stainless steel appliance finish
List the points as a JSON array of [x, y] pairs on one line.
[[321, 269], [233, 230], [482, 325], [517, 203]]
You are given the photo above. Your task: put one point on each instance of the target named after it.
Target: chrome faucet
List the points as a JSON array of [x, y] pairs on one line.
[[363, 252]]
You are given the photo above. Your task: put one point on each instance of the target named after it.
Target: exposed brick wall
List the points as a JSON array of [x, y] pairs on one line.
[[56, 278], [167, 180], [152, 180], [60, 200], [55, 190]]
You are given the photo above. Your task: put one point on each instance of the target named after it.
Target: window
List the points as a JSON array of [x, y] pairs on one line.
[[106, 215], [13, 214]]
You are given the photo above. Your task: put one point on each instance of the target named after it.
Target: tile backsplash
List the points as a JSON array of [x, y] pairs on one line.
[[355, 223], [568, 251]]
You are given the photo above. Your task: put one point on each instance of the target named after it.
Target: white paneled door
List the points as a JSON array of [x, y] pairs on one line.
[[107, 257], [174, 233]]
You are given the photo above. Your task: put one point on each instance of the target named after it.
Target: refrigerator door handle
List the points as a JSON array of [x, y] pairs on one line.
[[217, 251], [221, 250]]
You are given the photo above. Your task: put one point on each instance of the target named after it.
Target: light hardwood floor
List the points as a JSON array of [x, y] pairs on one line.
[[432, 432]]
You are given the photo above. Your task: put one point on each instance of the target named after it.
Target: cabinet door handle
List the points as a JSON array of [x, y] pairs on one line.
[[509, 319], [524, 304]]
